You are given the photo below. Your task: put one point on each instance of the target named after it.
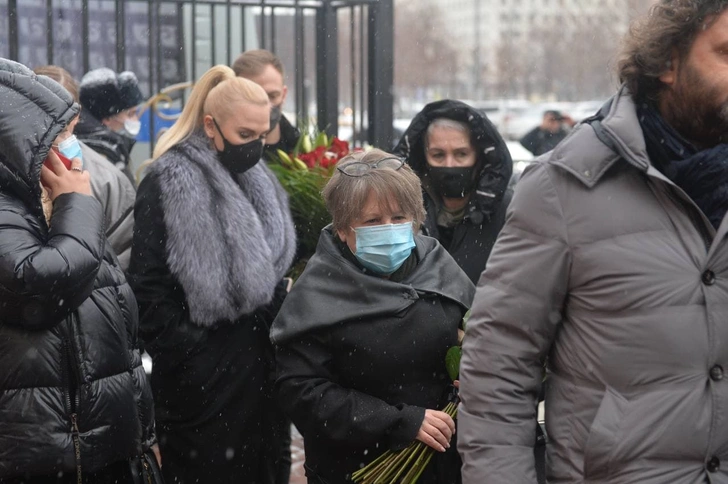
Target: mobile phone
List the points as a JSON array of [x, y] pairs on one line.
[[66, 162]]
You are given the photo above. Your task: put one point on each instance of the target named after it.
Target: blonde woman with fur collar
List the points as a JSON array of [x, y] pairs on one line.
[[212, 242]]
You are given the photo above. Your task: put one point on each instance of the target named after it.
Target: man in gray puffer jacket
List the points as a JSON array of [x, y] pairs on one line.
[[612, 270]]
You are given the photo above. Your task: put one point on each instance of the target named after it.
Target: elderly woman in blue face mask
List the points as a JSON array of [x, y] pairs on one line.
[[362, 337]]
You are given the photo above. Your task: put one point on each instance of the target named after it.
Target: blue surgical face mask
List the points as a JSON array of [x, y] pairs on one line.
[[71, 148], [383, 248]]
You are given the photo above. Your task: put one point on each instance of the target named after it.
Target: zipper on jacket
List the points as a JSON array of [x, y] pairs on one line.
[[73, 379], [147, 469], [66, 376], [76, 447], [74, 386]]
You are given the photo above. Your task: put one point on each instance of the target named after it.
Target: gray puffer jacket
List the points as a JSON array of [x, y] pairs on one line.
[[609, 272]]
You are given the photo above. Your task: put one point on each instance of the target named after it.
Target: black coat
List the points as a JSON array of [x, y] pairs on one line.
[[471, 241], [68, 319], [289, 138], [212, 382], [539, 141], [360, 357]]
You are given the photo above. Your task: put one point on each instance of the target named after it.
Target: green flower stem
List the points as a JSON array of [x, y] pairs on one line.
[[373, 464], [409, 459], [415, 469], [371, 475], [422, 469], [374, 474], [392, 468]]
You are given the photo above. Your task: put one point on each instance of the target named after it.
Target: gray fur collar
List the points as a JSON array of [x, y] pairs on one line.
[[229, 241]]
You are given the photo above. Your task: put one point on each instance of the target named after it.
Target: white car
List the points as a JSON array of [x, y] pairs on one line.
[[521, 159]]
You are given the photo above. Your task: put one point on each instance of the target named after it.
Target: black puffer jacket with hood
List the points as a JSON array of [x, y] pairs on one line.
[[68, 319], [473, 238]]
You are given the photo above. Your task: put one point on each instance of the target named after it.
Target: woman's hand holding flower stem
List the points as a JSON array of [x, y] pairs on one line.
[[437, 429]]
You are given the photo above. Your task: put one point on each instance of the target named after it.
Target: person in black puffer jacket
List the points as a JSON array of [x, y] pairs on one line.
[[465, 174], [75, 404]]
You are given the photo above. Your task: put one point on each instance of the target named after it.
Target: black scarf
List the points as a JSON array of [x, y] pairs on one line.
[[703, 175]]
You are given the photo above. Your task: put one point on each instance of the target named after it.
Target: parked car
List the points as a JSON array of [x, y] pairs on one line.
[[584, 109], [500, 111], [521, 159]]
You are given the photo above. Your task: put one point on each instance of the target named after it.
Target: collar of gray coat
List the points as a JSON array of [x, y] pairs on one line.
[[332, 290], [586, 157], [229, 240]]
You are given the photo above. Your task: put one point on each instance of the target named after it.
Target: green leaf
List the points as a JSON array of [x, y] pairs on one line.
[[452, 361], [466, 317]]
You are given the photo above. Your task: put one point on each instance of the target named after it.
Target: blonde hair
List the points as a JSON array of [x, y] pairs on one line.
[[345, 196], [218, 92]]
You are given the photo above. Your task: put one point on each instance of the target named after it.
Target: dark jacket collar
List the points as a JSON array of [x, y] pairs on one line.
[[114, 146], [333, 290]]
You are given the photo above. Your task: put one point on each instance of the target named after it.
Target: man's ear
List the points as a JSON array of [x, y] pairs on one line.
[[670, 75], [341, 234], [284, 93]]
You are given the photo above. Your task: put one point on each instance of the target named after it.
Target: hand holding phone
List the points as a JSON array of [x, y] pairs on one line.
[[59, 177], [66, 161]]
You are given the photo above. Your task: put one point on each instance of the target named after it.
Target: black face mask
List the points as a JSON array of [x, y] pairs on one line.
[[275, 116], [452, 182], [239, 158]]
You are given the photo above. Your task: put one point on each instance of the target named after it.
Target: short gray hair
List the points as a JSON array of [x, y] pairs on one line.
[[446, 123], [345, 195]]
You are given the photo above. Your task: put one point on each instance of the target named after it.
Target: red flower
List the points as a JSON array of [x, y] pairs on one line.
[[329, 159], [313, 158], [339, 148]]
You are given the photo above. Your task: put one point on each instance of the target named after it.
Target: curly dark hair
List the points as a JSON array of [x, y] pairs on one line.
[[647, 49]]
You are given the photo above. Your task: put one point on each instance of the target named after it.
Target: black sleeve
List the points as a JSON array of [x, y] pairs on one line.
[[532, 140], [43, 281], [320, 407], [163, 317]]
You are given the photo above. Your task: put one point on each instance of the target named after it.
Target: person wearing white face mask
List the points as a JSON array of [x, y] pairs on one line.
[[109, 185], [109, 120], [362, 336]]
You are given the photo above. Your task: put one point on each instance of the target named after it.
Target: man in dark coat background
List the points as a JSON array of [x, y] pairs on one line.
[[551, 132]]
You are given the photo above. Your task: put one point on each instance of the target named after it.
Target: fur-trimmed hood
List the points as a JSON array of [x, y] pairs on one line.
[[230, 239]]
